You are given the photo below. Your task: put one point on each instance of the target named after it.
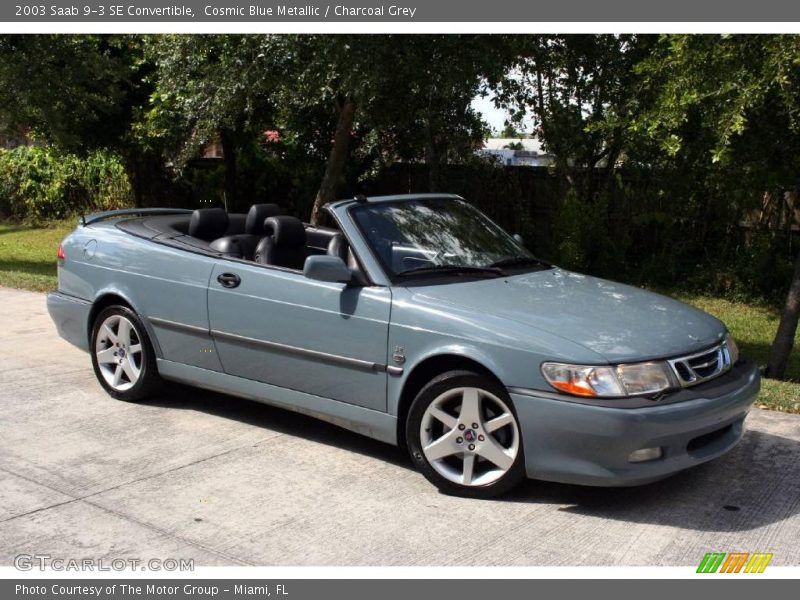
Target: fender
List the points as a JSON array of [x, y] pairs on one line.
[[465, 350], [124, 293]]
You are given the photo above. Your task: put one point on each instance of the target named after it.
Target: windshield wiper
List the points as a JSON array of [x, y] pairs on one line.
[[518, 261], [454, 269]]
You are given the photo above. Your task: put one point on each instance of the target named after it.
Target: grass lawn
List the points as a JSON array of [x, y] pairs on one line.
[[28, 261], [28, 254], [753, 327]]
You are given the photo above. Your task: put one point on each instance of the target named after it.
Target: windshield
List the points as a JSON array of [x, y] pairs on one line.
[[437, 235]]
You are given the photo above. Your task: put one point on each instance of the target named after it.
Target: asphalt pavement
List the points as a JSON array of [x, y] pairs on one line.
[[224, 481]]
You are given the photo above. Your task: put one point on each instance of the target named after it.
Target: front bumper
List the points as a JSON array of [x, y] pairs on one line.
[[71, 316], [589, 445]]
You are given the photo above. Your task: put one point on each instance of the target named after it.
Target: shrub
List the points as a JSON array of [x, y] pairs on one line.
[[38, 183]]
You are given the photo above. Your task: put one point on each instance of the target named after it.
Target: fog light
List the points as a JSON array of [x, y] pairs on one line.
[[644, 454]]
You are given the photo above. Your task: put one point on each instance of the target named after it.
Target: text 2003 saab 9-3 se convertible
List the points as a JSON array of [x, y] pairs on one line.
[[414, 320]]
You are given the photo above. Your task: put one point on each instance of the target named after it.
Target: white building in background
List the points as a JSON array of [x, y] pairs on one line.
[[516, 152]]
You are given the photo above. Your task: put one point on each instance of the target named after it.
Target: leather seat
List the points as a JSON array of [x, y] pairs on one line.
[[338, 247], [286, 246], [255, 224], [208, 223], [243, 245]]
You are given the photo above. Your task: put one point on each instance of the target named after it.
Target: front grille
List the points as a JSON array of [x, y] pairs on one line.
[[700, 367]]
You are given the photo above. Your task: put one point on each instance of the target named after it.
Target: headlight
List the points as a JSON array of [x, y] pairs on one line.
[[608, 381], [733, 349]]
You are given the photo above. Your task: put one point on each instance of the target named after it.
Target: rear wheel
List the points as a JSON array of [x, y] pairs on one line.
[[122, 355], [463, 434]]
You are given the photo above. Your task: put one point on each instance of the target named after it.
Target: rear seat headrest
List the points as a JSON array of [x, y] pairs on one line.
[[256, 217], [287, 231], [208, 223]]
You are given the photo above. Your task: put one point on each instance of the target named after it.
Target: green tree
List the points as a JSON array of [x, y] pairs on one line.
[[732, 101], [388, 96], [579, 89], [209, 88], [510, 131], [394, 96], [71, 90], [424, 110], [79, 93]]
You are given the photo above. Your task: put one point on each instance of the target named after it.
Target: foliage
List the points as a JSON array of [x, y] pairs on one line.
[[730, 101], [205, 83], [723, 84], [430, 117], [384, 97], [39, 183], [578, 89], [657, 158], [71, 90]]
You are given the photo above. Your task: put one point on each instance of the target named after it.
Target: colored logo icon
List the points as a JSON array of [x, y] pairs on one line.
[[734, 562]]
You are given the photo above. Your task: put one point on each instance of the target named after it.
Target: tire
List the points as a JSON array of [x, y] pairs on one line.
[[124, 363], [441, 442]]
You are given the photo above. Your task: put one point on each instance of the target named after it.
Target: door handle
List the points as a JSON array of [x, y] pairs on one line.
[[229, 280]]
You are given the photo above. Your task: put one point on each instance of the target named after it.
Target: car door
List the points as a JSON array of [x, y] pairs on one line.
[[278, 327]]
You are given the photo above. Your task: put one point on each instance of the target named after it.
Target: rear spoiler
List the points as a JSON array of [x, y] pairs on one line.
[[125, 212]]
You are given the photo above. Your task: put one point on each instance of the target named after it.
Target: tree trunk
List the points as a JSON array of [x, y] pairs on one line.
[[431, 151], [336, 159], [784, 338], [135, 177], [229, 155]]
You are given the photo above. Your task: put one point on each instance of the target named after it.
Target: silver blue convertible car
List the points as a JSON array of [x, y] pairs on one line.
[[414, 320]]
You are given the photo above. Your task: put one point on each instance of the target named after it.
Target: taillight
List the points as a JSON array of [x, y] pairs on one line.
[[61, 255]]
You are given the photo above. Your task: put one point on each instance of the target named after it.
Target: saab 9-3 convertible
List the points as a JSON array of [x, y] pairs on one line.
[[414, 320]]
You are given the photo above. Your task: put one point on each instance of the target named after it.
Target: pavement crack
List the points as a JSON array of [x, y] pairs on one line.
[[86, 500], [169, 534], [40, 509]]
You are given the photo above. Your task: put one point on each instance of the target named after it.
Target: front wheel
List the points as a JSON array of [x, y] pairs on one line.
[[122, 355], [464, 435]]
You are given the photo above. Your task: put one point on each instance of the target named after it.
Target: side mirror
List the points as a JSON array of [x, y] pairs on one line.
[[519, 239], [327, 268]]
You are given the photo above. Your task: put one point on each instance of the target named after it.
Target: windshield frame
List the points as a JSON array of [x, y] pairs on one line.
[[410, 278]]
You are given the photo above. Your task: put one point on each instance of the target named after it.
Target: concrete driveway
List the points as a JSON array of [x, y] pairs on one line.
[[200, 475]]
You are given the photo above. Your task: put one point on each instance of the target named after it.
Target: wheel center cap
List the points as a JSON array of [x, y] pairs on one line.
[[469, 435], [121, 353]]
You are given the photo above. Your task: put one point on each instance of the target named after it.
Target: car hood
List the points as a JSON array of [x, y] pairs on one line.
[[619, 322]]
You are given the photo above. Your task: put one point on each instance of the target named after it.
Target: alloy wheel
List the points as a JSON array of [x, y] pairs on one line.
[[119, 352], [469, 436]]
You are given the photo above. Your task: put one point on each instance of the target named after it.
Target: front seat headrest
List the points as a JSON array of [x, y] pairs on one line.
[[257, 215], [208, 223], [287, 231], [338, 247]]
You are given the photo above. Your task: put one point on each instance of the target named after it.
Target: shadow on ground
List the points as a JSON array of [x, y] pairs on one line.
[[723, 495], [278, 420]]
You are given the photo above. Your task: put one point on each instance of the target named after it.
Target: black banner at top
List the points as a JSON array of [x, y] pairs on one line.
[[399, 11]]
